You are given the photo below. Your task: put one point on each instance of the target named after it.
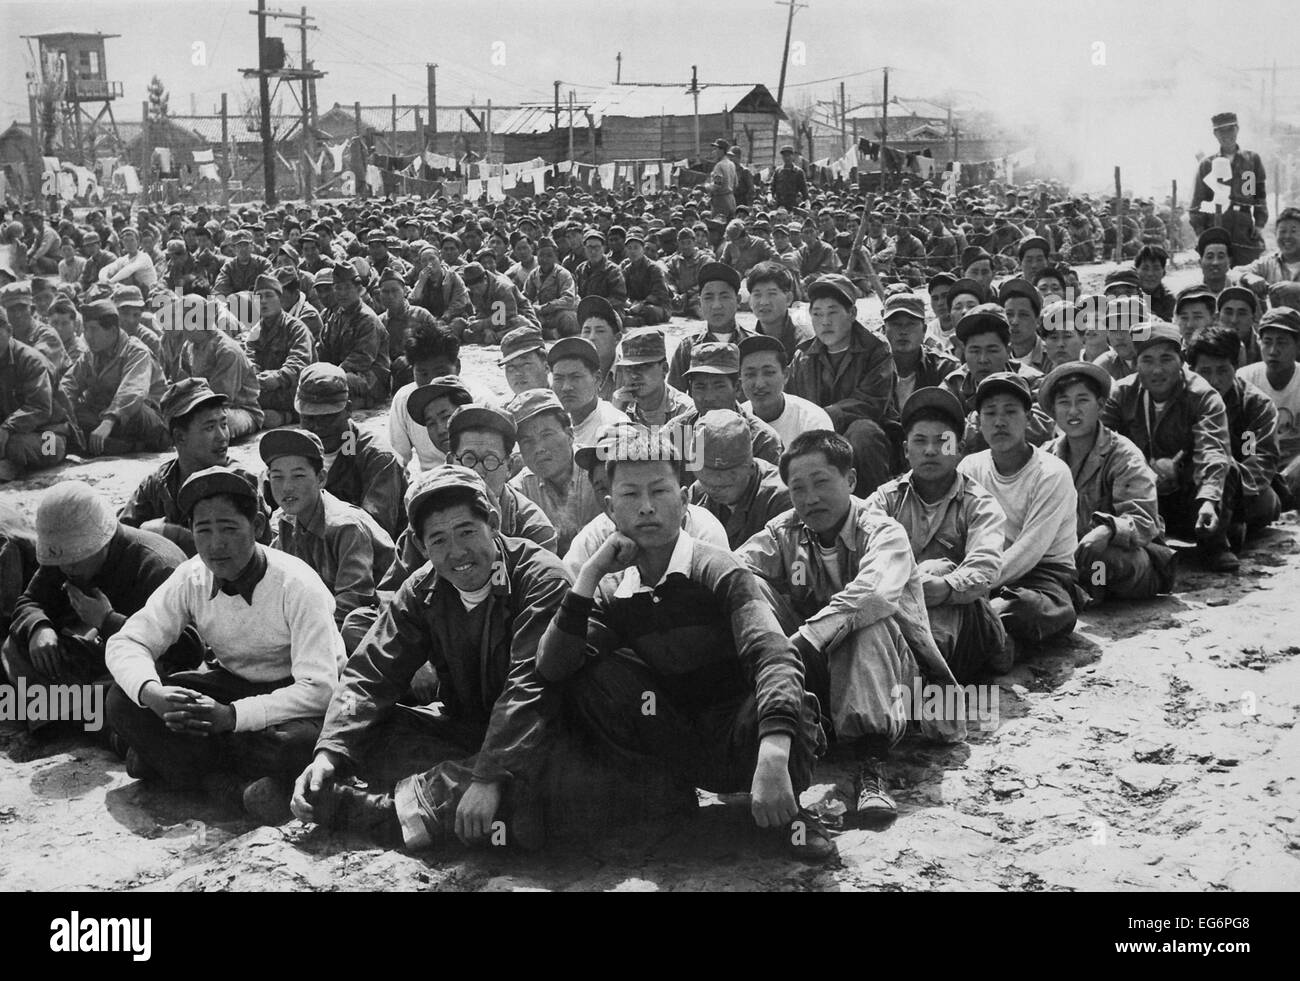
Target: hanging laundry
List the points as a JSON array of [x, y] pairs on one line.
[[925, 166], [374, 179], [453, 188], [473, 189], [163, 157], [349, 184], [539, 180], [608, 173], [208, 172], [336, 154], [130, 178], [202, 156], [105, 166], [495, 191], [86, 181]]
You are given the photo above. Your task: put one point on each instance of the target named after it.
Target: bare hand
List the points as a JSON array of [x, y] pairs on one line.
[[616, 554], [1166, 470], [92, 608], [1207, 517], [99, 434], [935, 589], [208, 716], [478, 808], [320, 774], [46, 653], [772, 800]]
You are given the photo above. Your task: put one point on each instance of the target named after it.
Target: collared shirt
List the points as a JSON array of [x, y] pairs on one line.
[[110, 383], [344, 544], [26, 390], [764, 498], [873, 577], [858, 384], [568, 510], [484, 660], [399, 325], [601, 415], [963, 526], [244, 584], [355, 340], [279, 349], [1115, 487], [679, 563], [157, 494]]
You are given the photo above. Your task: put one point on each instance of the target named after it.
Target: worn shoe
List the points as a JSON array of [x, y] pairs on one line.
[[1224, 561], [267, 801], [353, 811], [876, 809], [225, 789], [1002, 661], [808, 840], [138, 769]]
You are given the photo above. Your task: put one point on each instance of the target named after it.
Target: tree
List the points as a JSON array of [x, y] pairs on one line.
[[157, 100]]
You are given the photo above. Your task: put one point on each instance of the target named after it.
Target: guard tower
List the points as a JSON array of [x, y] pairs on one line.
[[70, 94]]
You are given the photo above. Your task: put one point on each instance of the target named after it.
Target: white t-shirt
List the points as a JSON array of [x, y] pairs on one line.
[[1287, 401], [409, 438], [799, 416], [604, 414]]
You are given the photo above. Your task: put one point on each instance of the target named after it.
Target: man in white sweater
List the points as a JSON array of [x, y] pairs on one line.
[[275, 659], [1034, 593]]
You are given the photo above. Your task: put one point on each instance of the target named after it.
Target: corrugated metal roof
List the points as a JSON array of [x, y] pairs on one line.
[[340, 120], [636, 102]]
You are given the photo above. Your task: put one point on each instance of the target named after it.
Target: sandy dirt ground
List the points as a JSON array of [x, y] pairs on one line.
[[1155, 749]]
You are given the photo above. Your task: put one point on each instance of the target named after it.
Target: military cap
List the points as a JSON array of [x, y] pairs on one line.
[[721, 144], [269, 283], [100, 311], [939, 399], [722, 440], [175, 246], [686, 231], [472, 416], [287, 277], [377, 235], [644, 346], [940, 279], [1193, 293], [973, 254], [595, 233], [1213, 236], [322, 390], [1288, 214], [984, 319], [325, 277], [308, 237], [1068, 372], [1056, 317], [1123, 276], [574, 347], [535, 402], [589, 457], [714, 359], [787, 149], [971, 286], [1004, 382], [1284, 294], [291, 442], [472, 273], [1022, 288], [636, 235], [391, 276], [240, 236], [186, 396], [1032, 242], [446, 386], [1281, 318], [906, 303], [128, 296], [1221, 119], [90, 238], [521, 341], [209, 483], [835, 287], [1239, 293], [16, 294], [1127, 312], [601, 308], [448, 480], [1152, 332], [719, 271], [347, 272]]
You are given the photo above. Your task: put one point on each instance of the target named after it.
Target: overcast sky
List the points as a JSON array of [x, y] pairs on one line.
[[1024, 58]]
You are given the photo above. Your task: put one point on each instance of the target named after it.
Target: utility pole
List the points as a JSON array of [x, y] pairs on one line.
[[302, 73], [618, 72], [884, 128], [556, 141], [785, 60], [306, 110], [844, 121], [571, 126], [432, 131], [264, 101], [225, 152], [695, 91]]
